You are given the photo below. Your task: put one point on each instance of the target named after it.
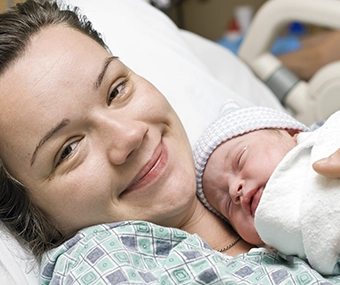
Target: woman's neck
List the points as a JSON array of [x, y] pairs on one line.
[[216, 232]]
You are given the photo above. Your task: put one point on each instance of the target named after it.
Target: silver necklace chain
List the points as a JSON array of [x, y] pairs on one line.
[[229, 246]]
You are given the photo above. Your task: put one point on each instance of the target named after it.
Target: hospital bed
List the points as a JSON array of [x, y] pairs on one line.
[[195, 74]]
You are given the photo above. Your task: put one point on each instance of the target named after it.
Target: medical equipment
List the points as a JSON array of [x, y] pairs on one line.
[[310, 101]]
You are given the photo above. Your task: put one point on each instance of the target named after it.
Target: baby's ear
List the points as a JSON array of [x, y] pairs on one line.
[[293, 133], [295, 136]]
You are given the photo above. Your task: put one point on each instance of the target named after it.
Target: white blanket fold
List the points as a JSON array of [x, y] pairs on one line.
[[299, 212]]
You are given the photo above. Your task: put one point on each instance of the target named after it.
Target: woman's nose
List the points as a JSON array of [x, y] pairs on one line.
[[125, 137], [236, 191]]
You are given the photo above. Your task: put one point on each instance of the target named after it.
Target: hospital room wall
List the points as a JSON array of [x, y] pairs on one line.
[[210, 18], [4, 3]]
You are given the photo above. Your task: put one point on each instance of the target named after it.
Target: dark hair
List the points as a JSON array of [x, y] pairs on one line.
[[17, 25]]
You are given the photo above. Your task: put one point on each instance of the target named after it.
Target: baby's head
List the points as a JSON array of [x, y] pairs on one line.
[[235, 157]]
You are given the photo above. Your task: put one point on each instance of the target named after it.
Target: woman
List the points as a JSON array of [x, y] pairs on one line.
[[88, 122], [86, 141]]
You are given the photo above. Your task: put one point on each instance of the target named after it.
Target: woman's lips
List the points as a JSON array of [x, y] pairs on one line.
[[151, 170]]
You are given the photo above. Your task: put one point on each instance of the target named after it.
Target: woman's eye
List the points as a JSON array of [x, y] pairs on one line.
[[66, 152], [116, 91]]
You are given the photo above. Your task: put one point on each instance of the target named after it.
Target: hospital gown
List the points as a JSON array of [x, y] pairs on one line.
[[138, 252]]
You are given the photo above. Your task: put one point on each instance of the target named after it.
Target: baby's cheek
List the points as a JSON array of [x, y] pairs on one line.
[[248, 232], [213, 198]]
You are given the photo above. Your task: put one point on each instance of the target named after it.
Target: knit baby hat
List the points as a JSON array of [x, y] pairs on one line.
[[234, 121]]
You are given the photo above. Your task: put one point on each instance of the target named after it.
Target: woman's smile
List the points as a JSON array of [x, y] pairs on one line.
[[151, 170]]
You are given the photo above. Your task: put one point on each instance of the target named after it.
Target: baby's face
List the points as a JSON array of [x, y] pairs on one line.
[[237, 172]]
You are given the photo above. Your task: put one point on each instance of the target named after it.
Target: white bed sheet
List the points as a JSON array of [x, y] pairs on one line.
[[16, 266]]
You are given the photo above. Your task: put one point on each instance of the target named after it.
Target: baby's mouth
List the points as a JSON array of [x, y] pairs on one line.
[[255, 200]]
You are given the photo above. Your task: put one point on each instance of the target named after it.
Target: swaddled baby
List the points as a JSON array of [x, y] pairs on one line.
[[253, 168]]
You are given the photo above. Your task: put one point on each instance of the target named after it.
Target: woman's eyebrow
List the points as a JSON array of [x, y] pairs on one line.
[[47, 136], [101, 75]]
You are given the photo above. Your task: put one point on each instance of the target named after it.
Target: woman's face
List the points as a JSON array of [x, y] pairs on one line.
[[91, 140]]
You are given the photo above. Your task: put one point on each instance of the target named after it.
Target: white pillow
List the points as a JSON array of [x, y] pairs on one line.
[[16, 266], [231, 71]]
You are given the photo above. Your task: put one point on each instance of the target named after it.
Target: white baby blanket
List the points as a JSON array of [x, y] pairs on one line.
[[299, 212]]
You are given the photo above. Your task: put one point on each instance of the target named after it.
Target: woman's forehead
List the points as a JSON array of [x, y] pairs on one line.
[[58, 60]]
